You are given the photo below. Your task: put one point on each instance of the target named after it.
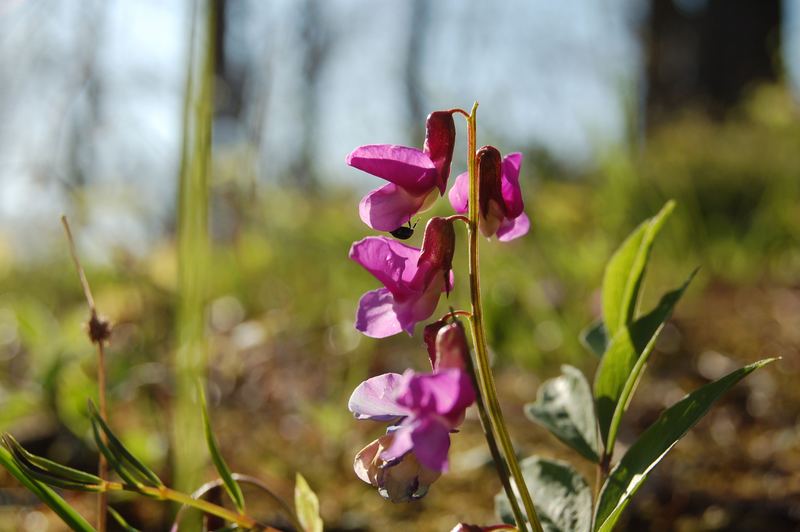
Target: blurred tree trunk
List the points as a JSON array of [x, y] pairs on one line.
[[315, 39], [418, 23], [707, 53]]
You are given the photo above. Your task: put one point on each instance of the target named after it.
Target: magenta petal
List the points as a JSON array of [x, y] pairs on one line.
[[419, 306], [376, 316], [392, 263], [509, 183], [444, 393], [375, 398], [431, 441], [459, 194], [408, 167], [511, 229], [389, 207], [402, 442]]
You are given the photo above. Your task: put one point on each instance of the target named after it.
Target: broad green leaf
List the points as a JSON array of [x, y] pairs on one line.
[[622, 365], [561, 495], [231, 486], [594, 338], [67, 514], [564, 406], [121, 521], [119, 456], [306, 505], [623, 275], [655, 442]]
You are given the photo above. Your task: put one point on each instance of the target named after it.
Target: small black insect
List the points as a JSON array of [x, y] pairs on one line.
[[404, 232]]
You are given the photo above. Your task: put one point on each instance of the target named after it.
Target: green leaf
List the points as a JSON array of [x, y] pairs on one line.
[[594, 338], [33, 462], [67, 514], [624, 361], [623, 275], [306, 505], [121, 521], [561, 495], [656, 442], [231, 486], [564, 406], [120, 457]]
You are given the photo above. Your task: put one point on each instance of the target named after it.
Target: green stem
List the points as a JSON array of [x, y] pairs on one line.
[[489, 390], [491, 441]]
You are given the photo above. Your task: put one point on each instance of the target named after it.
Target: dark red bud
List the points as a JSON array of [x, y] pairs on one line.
[[451, 347], [440, 139], [438, 247], [489, 162], [429, 337]]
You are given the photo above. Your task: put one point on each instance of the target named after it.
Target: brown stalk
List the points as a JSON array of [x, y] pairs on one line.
[[99, 331]]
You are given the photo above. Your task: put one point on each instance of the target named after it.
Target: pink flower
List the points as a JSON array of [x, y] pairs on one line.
[[501, 206], [426, 407], [399, 480], [415, 176], [413, 279]]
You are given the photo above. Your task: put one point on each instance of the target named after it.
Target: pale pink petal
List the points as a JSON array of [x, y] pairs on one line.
[[511, 229], [409, 168], [376, 316], [389, 207], [509, 183], [392, 263], [459, 194], [363, 461], [375, 398]]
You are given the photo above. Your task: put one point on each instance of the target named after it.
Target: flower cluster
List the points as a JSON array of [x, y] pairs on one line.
[[422, 409]]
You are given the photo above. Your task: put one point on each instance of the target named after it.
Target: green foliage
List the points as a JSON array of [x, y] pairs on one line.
[[626, 478], [564, 407], [624, 272], [622, 364], [130, 468], [564, 404], [306, 505], [231, 486], [563, 498], [67, 514]]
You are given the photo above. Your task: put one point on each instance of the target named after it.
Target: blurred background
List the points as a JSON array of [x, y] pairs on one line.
[[618, 105]]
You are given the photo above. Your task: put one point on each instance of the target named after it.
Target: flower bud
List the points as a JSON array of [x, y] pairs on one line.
[[399, 480], [490, 190], [447, 345], [440, 139], [438, 245]]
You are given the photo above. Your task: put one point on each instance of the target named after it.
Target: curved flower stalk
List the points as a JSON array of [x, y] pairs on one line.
[[416, 177], [501, 205], [413, 279]]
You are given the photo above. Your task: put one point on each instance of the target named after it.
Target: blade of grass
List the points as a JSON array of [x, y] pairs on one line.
[[190, 356], [231, 486], [66, 512]]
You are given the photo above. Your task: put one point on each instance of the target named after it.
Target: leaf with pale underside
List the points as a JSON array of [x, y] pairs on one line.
[[562, 497], [564, 406]]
